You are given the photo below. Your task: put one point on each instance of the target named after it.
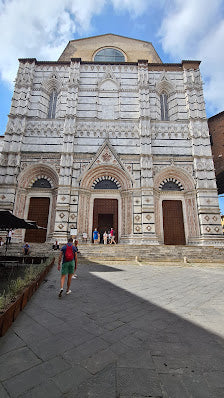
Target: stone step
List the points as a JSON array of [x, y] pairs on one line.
[[121, 252]]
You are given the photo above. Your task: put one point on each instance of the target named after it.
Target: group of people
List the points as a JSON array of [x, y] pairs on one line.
[[26, 246], [108, 237]]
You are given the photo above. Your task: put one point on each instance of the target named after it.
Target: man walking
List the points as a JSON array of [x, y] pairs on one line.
[[69, 262]]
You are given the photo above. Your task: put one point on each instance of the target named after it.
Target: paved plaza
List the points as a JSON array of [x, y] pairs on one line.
[[127, 330]]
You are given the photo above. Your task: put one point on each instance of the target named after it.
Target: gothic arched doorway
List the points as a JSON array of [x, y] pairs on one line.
[[105, 200], [105, 216]]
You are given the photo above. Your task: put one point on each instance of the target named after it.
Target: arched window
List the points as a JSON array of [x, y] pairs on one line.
[[41, 183], [106, 184], [52, 105], [109, 55], [164, 106], [171, 184]]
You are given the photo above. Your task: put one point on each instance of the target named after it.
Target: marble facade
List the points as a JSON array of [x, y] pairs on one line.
[[107, 126]]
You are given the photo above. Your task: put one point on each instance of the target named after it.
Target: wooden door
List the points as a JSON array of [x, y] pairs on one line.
[[38, 211], [173, 222]]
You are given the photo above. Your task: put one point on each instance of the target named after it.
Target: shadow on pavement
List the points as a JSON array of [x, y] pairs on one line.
[[105, 341]]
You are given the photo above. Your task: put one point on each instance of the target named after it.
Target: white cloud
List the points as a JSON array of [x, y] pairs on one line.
[[135, 7], [42, 29], [189, 30], [195, 30]]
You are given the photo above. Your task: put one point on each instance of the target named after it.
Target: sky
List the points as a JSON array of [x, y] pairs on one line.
[[179, 30]]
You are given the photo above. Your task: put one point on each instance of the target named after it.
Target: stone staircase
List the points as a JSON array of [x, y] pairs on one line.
[[121, 252], [147, 253], [36, 249]]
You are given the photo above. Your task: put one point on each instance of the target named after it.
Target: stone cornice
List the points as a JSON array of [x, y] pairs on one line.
[[185, 64]]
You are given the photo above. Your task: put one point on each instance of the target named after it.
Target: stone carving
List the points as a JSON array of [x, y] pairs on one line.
[[137, 201], [104, 129], [3, 159], [143, 75], [138, 229], [204, 165], [192, 80], [74, 76], [25, 75], [165, 84], [166, 131], [45, 128]]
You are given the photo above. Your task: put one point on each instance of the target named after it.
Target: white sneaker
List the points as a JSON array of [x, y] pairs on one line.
[[68, 292], [74, 276]]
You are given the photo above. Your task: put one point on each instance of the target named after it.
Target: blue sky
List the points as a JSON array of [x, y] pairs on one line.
[[177, 29]]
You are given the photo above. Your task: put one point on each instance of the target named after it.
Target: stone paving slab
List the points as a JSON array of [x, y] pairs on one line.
[[127, 330]]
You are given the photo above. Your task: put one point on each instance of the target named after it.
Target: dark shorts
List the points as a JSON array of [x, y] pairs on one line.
[[68, 268]]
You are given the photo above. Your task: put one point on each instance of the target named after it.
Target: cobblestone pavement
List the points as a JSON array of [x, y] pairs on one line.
[[127, 330]]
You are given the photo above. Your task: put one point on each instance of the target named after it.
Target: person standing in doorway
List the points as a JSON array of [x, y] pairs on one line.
[[105, 238], [95, 236], [69, 254], [112, 237]]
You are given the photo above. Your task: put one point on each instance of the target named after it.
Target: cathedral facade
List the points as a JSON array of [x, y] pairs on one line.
[[109, 136]]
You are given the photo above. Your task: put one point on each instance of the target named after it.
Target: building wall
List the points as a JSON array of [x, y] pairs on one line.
[[108, 125], [132, 49], [216, 130]]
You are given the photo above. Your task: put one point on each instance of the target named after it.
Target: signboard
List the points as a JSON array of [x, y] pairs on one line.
[[73, 232]]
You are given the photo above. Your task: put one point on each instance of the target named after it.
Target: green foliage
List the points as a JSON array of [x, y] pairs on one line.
[[16, 286], [4, 301]]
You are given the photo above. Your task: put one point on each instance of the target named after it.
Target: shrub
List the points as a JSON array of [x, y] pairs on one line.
[[17, 285]]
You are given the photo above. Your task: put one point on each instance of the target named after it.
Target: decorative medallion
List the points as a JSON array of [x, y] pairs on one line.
[[148, 228], [215, 218], [61, 226], [216, 229], [148, 217], [137, 218], [206, 218], [61, 215], [106, 157], [63, 198], [208, 229]]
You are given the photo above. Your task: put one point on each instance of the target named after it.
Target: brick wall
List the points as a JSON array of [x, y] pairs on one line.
[[216, 130]]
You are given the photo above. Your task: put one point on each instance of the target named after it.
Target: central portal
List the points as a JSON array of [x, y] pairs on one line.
[[105, 216]]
